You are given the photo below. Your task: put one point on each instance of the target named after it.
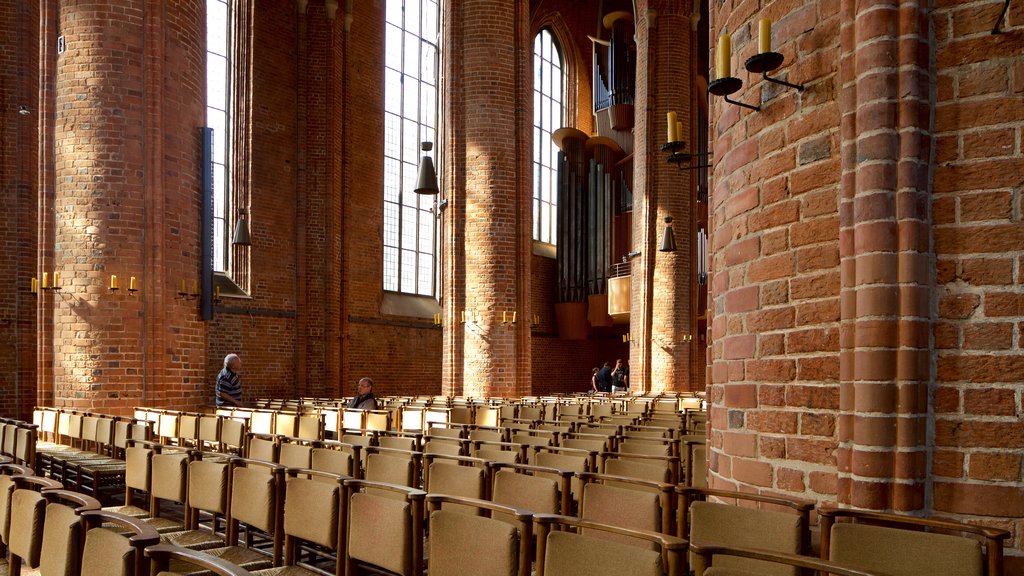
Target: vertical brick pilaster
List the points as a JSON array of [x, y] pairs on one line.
[[662, 283], [487, 150], [886, 255]]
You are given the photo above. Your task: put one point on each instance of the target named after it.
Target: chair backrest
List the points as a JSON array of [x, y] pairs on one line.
[[232, 434], [334, 461], [907, 552], [261, 448], [449, 477], [739, 526], [407, 443], [594, 550], [295, 455], [462, 544], [257, 499], [525, 491], [312, 510], [209, 429], [630, 468], [138, 468], [25, 539], [442, 445], [115, 551], [622, 507], [286, 423], [62, 538], [385, 531], [390, 469], [208, 486], [311, 426], [261, 422], [170, 476]]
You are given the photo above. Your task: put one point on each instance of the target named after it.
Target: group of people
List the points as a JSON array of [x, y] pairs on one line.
[[608, 379], [228, 391]]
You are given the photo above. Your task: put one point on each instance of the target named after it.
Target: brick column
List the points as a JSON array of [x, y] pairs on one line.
[[886, 255], [487, 244], [128, 104], [662, 282]]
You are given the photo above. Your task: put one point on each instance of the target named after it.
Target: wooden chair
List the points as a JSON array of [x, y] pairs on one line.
[[207, 493], [908, 546], [532, 488], [117, 551], [628, 502], [256, 498], [565, 553], [456, 476], [62, 534], [773, 530], [462, 544], [383, 531]]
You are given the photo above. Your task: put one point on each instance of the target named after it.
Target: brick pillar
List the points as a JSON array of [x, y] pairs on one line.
[[662, 282], [487, 243], [19, 86], [885, 255], [127, 107]]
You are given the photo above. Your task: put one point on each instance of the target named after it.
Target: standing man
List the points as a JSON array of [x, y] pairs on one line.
[[364, 398], [229, 388], [620, 377], [604, 378]]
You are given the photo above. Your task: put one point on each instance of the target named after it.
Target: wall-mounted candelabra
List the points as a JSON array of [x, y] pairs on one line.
[[115, 284], [185, 294], [676, 146], [763, 62]]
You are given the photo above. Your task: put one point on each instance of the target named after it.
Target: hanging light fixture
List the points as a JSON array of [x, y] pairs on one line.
[[427, 181], [242, 236], [668, 240]]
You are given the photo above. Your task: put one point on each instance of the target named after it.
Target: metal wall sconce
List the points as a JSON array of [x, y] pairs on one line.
[[765, 60], [627, 337], [115, 285], [668, 239], [535, 321], [184, 292], [676, 145], [470, 316], [242, 236], [45, 285], [507, 318], [762, 63], [426, 183], [438, 319]]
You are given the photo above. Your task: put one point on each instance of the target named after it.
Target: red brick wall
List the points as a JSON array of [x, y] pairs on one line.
[[19, 82], [775, 363], [979, 246], [775, 259]]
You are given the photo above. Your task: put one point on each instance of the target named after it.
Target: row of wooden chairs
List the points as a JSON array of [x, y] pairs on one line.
[[18, 441], [61, 532]]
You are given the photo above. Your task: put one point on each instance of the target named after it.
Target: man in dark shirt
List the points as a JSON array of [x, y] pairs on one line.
[[604, 378], [364, 398], [229, 388]]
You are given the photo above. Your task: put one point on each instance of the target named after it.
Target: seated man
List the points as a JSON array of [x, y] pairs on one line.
[[364, 399]]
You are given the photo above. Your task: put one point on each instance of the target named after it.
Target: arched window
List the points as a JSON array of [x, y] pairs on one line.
[[218, 117], [410, 117], [548, 116]]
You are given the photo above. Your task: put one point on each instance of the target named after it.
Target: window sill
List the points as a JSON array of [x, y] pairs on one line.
[[228, 288], [408, 305], [544, 249]]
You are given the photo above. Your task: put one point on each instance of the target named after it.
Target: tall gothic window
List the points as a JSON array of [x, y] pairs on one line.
[[548, 116], [218, 92], [410, 117]]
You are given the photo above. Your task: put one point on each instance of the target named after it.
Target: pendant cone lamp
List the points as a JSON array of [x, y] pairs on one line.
[[427, 181], [668, 240]]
